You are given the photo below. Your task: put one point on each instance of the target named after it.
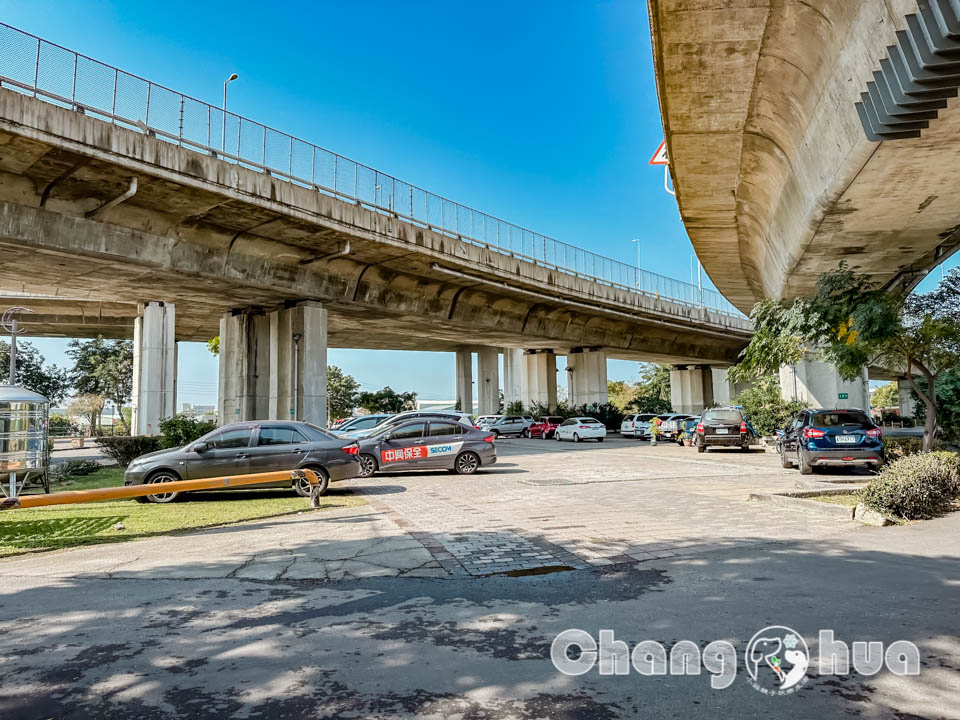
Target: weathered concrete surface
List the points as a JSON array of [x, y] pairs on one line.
[[231, 633], [775, 179], [215, 237]]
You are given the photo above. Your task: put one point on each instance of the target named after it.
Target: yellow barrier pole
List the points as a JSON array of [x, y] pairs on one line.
[[82, 496]]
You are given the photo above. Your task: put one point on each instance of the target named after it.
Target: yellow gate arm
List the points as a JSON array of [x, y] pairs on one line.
[[81, 496]]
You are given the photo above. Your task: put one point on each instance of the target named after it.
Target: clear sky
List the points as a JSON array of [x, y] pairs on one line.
[[543, 112]]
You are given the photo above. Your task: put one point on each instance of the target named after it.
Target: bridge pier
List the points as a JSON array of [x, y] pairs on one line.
[[587, 376], [818, 384], [908, 405], [465, 380], [274, 366], [514, 377], [154, 368], [691, 388], [488, 380], [540, 368]]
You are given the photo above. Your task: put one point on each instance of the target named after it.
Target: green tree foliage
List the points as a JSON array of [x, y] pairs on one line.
[[620, 393], [342, 392], [652, 392], [851, 322], [213, 345], [89, 407], [886, 396], [103, 367], [179, 430], [764, 406], [32, 372], [387, 400], [948, 405]]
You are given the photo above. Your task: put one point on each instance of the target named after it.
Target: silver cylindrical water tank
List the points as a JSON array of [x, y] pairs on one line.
[[24, 453]]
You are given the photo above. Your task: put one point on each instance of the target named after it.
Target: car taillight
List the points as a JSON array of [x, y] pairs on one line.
[[476, 427], [490, 438], [351, 449], [743, 427], [813, 433], [699, 427], [875, 433], [584, 427]]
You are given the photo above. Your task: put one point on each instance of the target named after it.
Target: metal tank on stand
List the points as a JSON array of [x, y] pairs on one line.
[[24, 447]]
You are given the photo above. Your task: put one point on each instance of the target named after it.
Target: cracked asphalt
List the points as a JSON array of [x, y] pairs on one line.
[[385, 611]]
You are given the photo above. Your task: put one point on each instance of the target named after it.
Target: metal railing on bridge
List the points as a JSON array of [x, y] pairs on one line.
[[60, 76]]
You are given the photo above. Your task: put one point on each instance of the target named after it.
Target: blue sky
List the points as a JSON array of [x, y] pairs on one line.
[[541, 112]]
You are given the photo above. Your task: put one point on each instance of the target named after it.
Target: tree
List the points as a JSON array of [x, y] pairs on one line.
[[948, 405], [764, 406], [103, 367], [88, 406], [48, 380], [852, 323], [341, 392], [387, 400], [886, 396], [213, 345], [620, 393], [653, 391]]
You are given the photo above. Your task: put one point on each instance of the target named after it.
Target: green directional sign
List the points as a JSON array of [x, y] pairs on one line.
[[844, 396]]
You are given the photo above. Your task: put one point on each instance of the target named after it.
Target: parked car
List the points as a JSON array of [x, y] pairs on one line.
[[338, 422], [581, 428], [670, 427], [722, 427], [636, 426], [425, 444], [408, 415], [487, 420], [545, 427], [247, 448], [361, 422], [688, 427], [821, 438], [511, 425]]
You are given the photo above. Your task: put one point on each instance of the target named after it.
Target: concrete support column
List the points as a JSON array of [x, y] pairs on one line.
[[514, 377], [244, 367], [298, 364], [908, 406], [818, 384], [691, 388], [154, 368], [541, 373], [587, 377], [488, 379], [465, 380], [724, 391]]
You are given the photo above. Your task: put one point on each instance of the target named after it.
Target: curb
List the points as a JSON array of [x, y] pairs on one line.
[[798, 500]]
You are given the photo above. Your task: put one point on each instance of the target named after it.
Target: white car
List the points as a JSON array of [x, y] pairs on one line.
[[485, 421], [581, 428], [636, 426]]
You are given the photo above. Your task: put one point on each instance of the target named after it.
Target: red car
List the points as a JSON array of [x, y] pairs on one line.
[[544, 427]]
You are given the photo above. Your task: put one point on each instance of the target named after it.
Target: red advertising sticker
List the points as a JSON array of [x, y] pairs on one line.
[[410, 453]]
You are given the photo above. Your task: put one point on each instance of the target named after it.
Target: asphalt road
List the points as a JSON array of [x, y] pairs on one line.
[[139, 642]]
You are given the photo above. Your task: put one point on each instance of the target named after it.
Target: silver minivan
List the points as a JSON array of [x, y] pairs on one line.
[[511, 425]]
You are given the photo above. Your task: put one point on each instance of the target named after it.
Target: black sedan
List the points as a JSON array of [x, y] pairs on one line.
[[247, 448], [427, 444]]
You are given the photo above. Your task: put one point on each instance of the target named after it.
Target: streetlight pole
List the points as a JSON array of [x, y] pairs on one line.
[[8, 322], [223, 132], [638, 241]]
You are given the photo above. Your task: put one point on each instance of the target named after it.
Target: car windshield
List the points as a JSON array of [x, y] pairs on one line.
[[838, 418], [723, 415]]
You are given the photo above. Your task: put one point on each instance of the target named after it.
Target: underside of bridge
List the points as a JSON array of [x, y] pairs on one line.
[[775, 176]]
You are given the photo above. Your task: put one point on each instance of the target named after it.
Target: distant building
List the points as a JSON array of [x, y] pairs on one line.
[[199, 412]]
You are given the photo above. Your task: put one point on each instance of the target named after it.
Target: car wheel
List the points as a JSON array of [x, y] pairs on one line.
[[599, 439], [556, 436], [368, 464], [525, 433], [805, 467], [302, 486], [576, 438], [745, 447], [496, 434], [160, 477], [466, 463], [783, 459], [701, 447]]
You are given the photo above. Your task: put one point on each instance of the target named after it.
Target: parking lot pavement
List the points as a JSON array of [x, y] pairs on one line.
[[562, 504]]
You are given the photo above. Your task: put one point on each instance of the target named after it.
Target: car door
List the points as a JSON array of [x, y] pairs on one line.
[[443, 441], [404, 446], [563, 430], [277, 447], [227, 453], [792, 435]]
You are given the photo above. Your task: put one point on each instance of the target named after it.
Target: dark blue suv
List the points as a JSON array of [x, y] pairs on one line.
[[820, 438]]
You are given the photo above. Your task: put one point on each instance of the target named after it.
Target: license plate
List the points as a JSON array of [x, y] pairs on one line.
[[721, 431], [846, 439]]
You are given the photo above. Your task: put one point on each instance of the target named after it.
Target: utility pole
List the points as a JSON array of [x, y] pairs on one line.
[[638, 241], [9, 322]]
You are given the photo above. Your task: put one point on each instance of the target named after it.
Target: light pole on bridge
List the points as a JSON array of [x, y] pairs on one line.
[[223, 132]]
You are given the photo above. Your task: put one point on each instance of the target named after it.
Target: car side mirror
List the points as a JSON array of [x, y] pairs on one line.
[[201, 447]]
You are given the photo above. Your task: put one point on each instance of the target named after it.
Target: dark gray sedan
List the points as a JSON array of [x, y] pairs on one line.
[[427, 444], [247, 448]]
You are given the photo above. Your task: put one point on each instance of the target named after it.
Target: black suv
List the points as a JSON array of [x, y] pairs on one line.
[[722, 427], [818, 438]]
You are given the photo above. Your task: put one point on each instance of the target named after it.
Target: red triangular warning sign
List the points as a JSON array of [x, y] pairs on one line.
[[660, 156]]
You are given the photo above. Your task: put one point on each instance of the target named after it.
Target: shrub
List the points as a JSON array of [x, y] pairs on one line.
[[515, 408], [916, 486], [73, 468], [179, 430], [125, 448], [764, 406]]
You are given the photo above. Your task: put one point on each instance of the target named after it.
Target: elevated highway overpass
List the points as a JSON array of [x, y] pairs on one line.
[[777, 175], [116, 190]]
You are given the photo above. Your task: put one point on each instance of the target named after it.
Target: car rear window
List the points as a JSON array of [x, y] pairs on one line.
[[645, 418], [590, 421], [723, 415], [836, 419]]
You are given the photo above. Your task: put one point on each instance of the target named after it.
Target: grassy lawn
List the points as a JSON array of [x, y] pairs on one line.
[[848, 500], [63, 526]]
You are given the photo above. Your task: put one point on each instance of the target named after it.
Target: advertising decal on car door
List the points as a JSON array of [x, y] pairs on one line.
[[418, 452]]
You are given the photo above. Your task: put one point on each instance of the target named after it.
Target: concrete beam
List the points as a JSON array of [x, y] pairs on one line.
[[154, 368]]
